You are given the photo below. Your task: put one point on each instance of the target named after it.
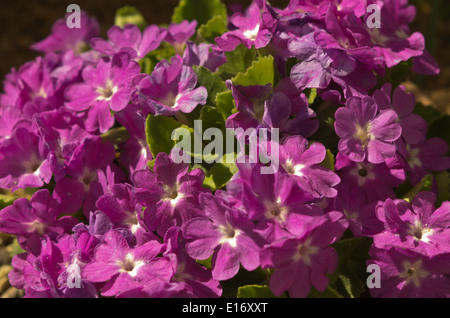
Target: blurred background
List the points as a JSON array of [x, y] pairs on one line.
[[25, 22]]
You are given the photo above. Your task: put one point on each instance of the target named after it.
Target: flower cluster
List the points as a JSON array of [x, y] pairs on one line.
[[106, 211]]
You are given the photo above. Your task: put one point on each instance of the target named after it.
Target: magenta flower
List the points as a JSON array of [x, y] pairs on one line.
[[414, 127], [64, 38], [130, 39], [106, 87], [376, 180], [225, 234], [193, 279], [23, 161], [408, 274], [250, 28], [302, 163], [31, 219], [418, 225], [364, 133], [122, 268], [302, 259], [169, 193], [177, 34], [171, 88], [203, 55]]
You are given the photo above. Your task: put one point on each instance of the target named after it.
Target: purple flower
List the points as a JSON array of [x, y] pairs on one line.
[[364, 133], [414, 127], [250, 28], [302, 164], [23, 161], [179, 33], [424, 157], [303, 258], [62, 132], [417, 225], [122, 268], [64, 38], [360, 213], [225, 234], [171, 88], [31, 219], [203, 55], [106, 87], [408, 274], [76, 189], [376, 180], [169, 193], [194, 280], [130, 39], [392, 40]]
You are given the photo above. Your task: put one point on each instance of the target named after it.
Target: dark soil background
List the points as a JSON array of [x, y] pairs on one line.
[[24, 22]]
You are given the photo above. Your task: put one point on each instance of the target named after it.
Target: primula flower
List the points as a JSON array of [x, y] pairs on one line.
[[169, 193], [23, 161], [408, 274], [106, 87], [203, 55], [130, 39], [376, 180], [171, 88], [31, 219], [302, 259], [418, 225], [360, 213], [123, 268], [75, 190], [64, 38], [177, 34], [225, 234], [424, 157], [250, 28], [364, 133], [392, 40], [414, 127], [194, 279], [302, 163]]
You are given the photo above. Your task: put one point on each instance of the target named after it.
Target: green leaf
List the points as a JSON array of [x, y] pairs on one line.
[[215, 27], [429, 113], [423, 185], [15, 248], [225, 104], [443, 181], [159, 133], [129, 15], [164, 52], [256, 291], [329, 292], [312, 96], [218, 176], [238, 61], [213, 83], [328, 162], [261, 72], [200, 10], [147, 65], [116, 135], [350, 275]]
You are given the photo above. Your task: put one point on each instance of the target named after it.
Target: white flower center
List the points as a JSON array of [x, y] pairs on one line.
[[252, 34], [413, 272]]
